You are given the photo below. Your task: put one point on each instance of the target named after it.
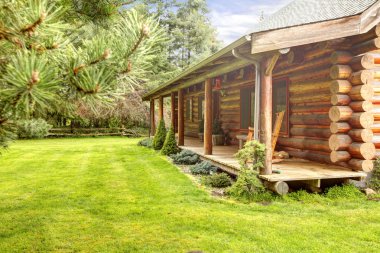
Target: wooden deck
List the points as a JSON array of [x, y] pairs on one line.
[[288, 170]]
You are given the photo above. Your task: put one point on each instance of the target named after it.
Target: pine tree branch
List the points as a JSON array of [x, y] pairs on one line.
[[106, 55], [30, 29], [143, 34]]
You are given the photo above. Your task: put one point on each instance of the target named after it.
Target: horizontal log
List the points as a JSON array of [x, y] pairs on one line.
[[361, 106], [376, 140], [361, 120], [366, 46], [366, 151], [376, 113], [305, 144], [362, 77], [309, 86], [369, 60], [318, 73], [340, 156], [310, 155], [339, 142], [361, 165], [340, 127], [376, 127], [341, 57], [340, 86], [303, 67], [340, 99], [340, 72], [313, 119], [312, 97], [361, 135], [361, 92], [311, 108], [311, 132], [340, 113], [280, 187]]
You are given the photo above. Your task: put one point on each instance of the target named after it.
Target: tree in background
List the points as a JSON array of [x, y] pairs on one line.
[[58, 57], [192, 36]]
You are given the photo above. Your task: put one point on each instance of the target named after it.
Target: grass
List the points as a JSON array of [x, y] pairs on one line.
[[109, 195]]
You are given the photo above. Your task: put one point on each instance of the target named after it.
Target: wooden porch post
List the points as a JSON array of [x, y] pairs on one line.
[[266, 111], [152, 122], [160, 108], [172, 98], [208, 118], [181, 119]]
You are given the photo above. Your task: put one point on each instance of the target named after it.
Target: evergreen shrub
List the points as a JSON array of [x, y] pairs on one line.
[[185, 157], [159, 137], [247, 186], [33, 129], [374, 182], [147, 142], [170, 145], [203, 168], [218, 180]]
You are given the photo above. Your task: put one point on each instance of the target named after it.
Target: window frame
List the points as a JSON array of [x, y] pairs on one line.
[[287, 112]]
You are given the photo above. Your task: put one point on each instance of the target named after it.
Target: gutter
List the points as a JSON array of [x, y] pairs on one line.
[[257, 90]]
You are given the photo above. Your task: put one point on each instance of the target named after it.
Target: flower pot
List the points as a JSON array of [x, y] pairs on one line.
[[218, 139], [201, 136]]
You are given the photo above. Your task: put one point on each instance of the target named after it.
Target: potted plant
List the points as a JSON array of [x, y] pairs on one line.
[[217, 133], [201, 129]]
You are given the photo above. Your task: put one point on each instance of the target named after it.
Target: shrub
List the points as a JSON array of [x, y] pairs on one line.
[[170, 145], [185, 157], [147, 142], [33, 129], [247, 186], [347, 191], [217, 127], [304, 197], [217, 180], [159, 137], [374, 181], [203, 168], [253, 151]]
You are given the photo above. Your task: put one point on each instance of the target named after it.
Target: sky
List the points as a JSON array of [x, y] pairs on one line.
[[234, 18]]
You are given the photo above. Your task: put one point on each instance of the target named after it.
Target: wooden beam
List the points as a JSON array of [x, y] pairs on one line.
[[152, 121], [173, 116], [305, 34], [160, 108], [181, 119], [208, 118], [266, 111]]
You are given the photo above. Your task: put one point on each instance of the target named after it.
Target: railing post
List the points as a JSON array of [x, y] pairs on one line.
[[208, 118], [181, 119]]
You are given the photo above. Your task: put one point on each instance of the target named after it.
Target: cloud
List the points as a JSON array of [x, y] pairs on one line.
[[236, 20]]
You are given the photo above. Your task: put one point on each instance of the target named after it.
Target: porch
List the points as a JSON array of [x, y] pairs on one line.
[[288, 170]]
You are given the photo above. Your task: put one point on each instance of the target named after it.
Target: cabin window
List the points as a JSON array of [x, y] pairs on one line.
[[280, 103], [189, 109], [247, 112], [201, 107]]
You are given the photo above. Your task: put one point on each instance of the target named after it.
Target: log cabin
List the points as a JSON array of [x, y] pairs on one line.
[[319, 61]]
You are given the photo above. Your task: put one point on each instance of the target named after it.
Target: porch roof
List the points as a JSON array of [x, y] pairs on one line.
[[303, 21]]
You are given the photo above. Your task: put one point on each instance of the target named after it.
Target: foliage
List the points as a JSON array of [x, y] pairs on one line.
[[170, 145], [185, 157], [247, 186], [304, 196], [192, 36], [33, 129], [203, 168], [217, 127], [374, 181], [253, 151], [347, 191], [160, 136], [147, 142], [217, 180], [62, 58], [201, 126]]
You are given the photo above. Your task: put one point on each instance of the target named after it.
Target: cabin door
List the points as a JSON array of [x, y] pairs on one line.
[[215, 105], [280, 103]]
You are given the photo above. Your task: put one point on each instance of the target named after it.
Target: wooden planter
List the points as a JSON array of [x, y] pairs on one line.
[[218, 139]]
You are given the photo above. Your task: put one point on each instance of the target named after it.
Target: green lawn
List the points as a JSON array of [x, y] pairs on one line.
[[108, 195]]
